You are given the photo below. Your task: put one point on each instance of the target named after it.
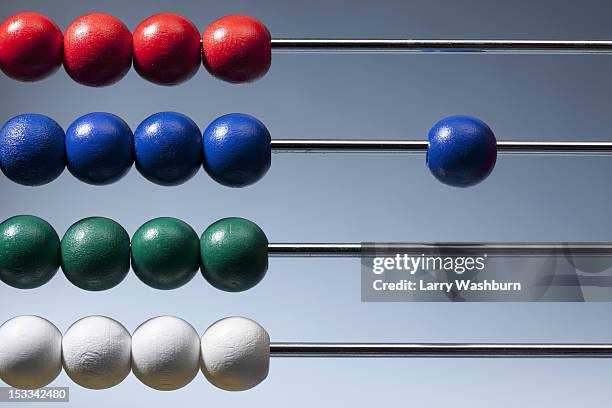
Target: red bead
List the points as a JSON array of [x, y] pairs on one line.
[[237, 49], [30, 47], [97, 50], [167, 49]]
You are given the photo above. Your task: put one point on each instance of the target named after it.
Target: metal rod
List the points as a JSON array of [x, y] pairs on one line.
[[307, 250], [404, 350], [491, 249], [389, 146], [444, 46]]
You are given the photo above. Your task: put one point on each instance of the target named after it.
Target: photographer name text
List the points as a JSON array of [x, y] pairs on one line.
[[447, 287]]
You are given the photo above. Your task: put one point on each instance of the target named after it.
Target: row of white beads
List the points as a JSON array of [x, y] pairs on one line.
[[165, 353]]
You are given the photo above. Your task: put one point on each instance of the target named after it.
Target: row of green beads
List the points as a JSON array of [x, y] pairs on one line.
[[165, 253]]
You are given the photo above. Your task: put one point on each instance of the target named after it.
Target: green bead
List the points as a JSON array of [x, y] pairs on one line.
[[96, 253], [29, 252], [234, 254], [165, 253]]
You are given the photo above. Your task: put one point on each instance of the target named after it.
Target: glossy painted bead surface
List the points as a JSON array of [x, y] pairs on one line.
[[97, 50], [30, 47], [237, 150], [168, 148], [32, 149], [29, 252], [234, 254], [237, 49], [99, 148], [96, 253], [165, 253], [462, 151], [167, 49]]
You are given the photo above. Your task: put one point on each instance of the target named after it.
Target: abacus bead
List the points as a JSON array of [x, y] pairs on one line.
[[168, 148], [165, 253], [235, 354], [99, 148], [462, 151], [30, 352], [234, 254], [29, 252], [95, 253], [237, 49], [30, 47], [237, 150], [32, 149], [97, 50], [167, 49], [96, 352], [165, 353]]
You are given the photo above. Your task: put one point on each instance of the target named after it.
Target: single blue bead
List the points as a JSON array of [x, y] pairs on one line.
[[32, 149], [462, 151], [168, 148], [237, 150], [99, 148]]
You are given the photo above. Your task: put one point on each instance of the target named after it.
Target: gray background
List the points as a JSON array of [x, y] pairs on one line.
[[356, 197]]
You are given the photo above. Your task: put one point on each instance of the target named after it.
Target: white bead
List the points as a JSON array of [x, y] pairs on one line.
[[97, 352], [165, 353], [30, 352], [235, 354]]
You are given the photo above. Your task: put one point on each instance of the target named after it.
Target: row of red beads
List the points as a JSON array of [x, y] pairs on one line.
[[98, 49]]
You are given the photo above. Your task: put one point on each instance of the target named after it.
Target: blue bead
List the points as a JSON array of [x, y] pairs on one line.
[[237, 150], [462, 151], [168, 147], [99, 148], [32, 149]]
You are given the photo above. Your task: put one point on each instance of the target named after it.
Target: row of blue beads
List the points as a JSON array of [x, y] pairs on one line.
[[168, 148]]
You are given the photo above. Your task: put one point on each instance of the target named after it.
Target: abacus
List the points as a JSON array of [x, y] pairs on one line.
[[168, 148]]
